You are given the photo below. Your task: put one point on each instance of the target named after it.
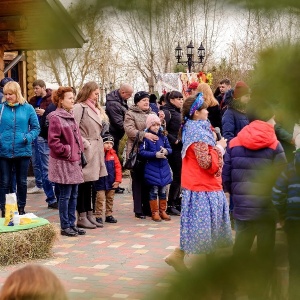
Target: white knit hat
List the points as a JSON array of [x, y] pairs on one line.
[[152, 119]]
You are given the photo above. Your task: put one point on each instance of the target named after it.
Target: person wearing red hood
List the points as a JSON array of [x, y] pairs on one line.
[[252, 163]]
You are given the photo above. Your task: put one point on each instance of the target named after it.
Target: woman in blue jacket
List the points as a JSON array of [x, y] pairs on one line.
[[19, 126], [157, 169]]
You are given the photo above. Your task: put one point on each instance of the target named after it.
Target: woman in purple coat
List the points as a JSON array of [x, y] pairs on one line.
[[65, 169]]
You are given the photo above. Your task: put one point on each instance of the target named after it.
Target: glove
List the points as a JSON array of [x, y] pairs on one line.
[[296, 136], [160, 154], [164, 150]]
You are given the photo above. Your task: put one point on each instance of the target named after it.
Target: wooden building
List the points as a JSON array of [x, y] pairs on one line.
[[28, 25]]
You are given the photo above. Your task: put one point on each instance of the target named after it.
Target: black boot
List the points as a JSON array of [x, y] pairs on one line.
[[171, 210], [21, 210], [2, 213]]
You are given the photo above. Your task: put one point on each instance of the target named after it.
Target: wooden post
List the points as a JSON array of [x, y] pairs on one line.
[[1, 62]]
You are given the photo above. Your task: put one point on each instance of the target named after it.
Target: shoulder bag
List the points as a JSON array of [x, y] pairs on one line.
[[82, 155], [132, 161]]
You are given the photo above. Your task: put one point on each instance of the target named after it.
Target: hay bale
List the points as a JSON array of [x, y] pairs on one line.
[[26, 245]]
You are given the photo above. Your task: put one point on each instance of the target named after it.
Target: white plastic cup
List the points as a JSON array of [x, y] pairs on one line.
[[16, 218]]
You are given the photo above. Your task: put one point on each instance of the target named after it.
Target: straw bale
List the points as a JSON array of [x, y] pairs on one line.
[[26, 245]]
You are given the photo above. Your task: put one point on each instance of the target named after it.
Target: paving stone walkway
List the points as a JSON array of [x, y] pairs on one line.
[[122, 260]]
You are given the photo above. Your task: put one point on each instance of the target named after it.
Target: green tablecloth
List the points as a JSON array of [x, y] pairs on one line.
[[36, 222]]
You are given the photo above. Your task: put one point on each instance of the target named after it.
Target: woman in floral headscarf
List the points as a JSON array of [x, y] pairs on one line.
[[205, 223]]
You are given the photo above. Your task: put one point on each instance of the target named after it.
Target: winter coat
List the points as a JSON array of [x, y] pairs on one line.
[[214, 116], [285, 138], [65, 145], [116, 109], [45, 122], [251, 161], [19, 126], [154, 107], [232, 123], [114, 172], [1, 94], [286, 192], [135, 122], [157, 170], [173, 123], [90, 125], [46, 101]]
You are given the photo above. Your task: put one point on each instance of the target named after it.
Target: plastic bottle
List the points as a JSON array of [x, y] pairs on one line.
[[16, 218]]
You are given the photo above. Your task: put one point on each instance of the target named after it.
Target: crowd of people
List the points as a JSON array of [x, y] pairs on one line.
[[190, 153]]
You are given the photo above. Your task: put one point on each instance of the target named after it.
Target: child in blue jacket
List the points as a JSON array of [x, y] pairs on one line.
[[157, 169], [106, 186]]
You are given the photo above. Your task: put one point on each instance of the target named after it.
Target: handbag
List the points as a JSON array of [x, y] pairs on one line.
[[83, 159], [133, 161]]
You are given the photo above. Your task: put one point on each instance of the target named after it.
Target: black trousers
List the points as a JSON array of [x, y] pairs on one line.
[[140, 192], [86, 196], [292, 229], [175, 162]]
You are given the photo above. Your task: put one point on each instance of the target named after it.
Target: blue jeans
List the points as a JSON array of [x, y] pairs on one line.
[[13, 182], [35, 165], [41, 160], [67, 204], [159, 191], [21, 165]]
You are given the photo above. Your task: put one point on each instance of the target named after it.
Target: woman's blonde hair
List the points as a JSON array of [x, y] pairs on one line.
[[33, 282], [84, 94], [208, 95], [12, 87]]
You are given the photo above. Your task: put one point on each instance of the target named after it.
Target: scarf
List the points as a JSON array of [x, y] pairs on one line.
[[196, 131], [92, 105], [12, 104]]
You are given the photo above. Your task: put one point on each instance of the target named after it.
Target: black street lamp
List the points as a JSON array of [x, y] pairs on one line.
[[190, 54]]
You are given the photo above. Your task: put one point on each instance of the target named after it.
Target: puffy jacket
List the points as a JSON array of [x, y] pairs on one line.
[[286, 192], [116, 109], [232, 123], [19, 126], [135, 122], [157, 170], [114, 172], [252, 163]]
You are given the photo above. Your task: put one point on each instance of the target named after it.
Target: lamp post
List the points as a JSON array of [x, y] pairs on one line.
[[190, 54]]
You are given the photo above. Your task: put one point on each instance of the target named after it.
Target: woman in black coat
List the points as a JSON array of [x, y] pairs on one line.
[[172, 110]]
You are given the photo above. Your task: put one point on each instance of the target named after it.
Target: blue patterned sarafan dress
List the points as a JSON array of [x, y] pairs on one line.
[[205, 223]]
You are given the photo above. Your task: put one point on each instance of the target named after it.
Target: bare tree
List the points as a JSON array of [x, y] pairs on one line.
[[150, 37], [95, 61]]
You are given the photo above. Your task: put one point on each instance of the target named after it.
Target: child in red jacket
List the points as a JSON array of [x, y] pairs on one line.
[[105, 186]]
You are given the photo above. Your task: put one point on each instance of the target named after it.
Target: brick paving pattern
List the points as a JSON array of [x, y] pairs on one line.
[[120, 261]]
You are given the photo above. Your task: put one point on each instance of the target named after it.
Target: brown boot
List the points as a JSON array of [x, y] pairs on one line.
[[176, 260], [162, 210], [154, 210], [83, 222], [92, 219]]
